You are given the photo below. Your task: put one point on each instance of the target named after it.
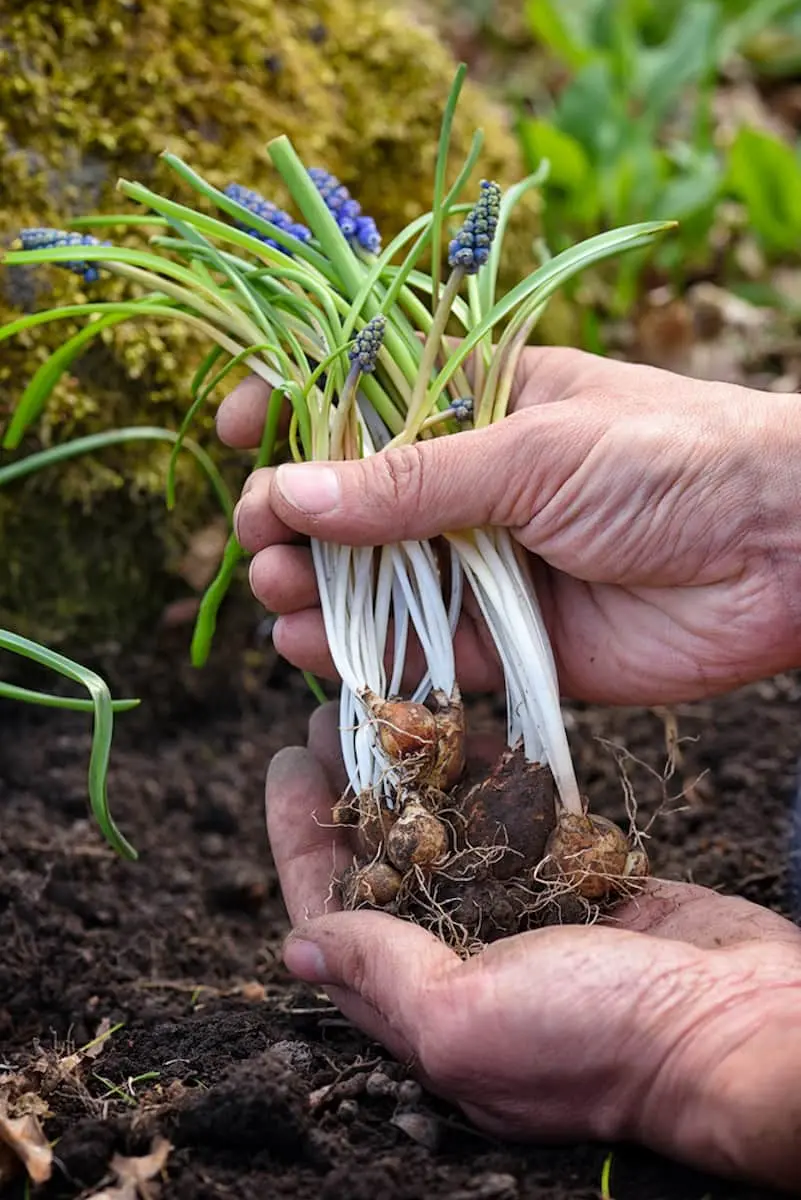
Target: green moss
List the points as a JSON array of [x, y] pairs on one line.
[[92, 91]]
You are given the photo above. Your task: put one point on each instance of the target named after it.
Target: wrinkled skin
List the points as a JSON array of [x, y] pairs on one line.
[[655, 509], [677, 1024], [662, 519]]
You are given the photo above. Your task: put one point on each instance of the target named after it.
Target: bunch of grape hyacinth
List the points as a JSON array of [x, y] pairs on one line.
[[42, 238], [352, 339]]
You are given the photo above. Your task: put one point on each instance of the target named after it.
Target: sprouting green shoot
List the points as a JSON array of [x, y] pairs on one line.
[[606, 1178]]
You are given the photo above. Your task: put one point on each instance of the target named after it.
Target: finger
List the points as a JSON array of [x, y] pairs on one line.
[[256, 523], [389, 968], [500, 475], [685, 912], [324, 744], [308, 850], [241, 416], [300, 638], [282, 579]]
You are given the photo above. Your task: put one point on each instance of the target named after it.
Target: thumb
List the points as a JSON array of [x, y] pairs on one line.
[[482, 477], [381, 971]]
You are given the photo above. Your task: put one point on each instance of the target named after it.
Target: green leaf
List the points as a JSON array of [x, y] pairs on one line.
[[695, 189], [752, 22], [102, 730], [560, 28], [542, 283], [114, 437], [570, 167], [688, 55], [592, 110], [765, 173], [21, 695]]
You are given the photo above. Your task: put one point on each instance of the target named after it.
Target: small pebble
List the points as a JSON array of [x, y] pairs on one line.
[[409, 1093], [348, 1110], [295, 1054], [421, 1129], [379, 1084]]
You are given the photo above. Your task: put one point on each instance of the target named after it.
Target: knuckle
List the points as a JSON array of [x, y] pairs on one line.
[[404, 471]]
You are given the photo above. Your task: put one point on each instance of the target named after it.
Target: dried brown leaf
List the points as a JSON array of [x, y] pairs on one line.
[[134, 1175], [25, 1139]]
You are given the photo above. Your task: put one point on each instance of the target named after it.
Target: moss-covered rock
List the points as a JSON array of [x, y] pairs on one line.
[[91, 91]]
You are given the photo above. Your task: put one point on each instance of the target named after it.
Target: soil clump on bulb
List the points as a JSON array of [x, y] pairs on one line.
[[474, 854]]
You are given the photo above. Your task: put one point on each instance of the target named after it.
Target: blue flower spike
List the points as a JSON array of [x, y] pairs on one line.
[[470, 249], [363, 353], [347, 212], [256, 203], [462, 409], [43, 238]]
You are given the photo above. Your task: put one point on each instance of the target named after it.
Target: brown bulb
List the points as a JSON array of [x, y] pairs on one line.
[[407, 732], [417, 838], [450, 756], [588, 853], [376, 885]]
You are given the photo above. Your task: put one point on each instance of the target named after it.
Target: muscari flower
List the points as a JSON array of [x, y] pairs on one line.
[[462, 409], [367, 343], [470, 249], [348, 212], [254, 202], [42, 238]]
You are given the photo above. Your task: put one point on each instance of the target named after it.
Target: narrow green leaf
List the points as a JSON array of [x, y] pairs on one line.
[[439, 177], [10, 691], [113, 437], [102, 730]]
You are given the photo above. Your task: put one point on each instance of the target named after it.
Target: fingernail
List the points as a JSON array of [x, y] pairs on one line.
[[238, 516], [311, 487], [305, 960]]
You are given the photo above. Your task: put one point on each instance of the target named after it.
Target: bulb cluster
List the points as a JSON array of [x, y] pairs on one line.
[[470, 249], [42, 238], [348, 212], [367, 343], [256, 203]]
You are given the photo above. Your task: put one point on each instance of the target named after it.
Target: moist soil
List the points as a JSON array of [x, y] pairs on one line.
[[219, 1051]]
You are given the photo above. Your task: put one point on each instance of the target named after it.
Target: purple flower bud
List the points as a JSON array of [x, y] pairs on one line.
[[347, 211], [42, 238], [462, 409], [367, 343], [254, 202], [469, 250]]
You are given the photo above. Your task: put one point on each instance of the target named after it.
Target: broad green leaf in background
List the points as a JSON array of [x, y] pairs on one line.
[[697, 187], [570, 173], [754, 19], [687, 57], [766, 175], [562, 28]]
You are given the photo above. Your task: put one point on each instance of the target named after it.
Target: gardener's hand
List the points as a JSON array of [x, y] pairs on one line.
[[665, 515], [679, 1026]]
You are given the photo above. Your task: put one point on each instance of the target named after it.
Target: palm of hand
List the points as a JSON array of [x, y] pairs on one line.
[[677, 1024]]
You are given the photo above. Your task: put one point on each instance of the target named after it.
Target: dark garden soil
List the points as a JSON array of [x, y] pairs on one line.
[[220, 1051]]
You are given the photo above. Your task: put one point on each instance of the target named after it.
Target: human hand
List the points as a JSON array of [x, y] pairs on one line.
[[676, 1024], [661, 514]]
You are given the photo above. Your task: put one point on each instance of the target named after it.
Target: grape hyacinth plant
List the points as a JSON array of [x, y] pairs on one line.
[[352, 339]]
